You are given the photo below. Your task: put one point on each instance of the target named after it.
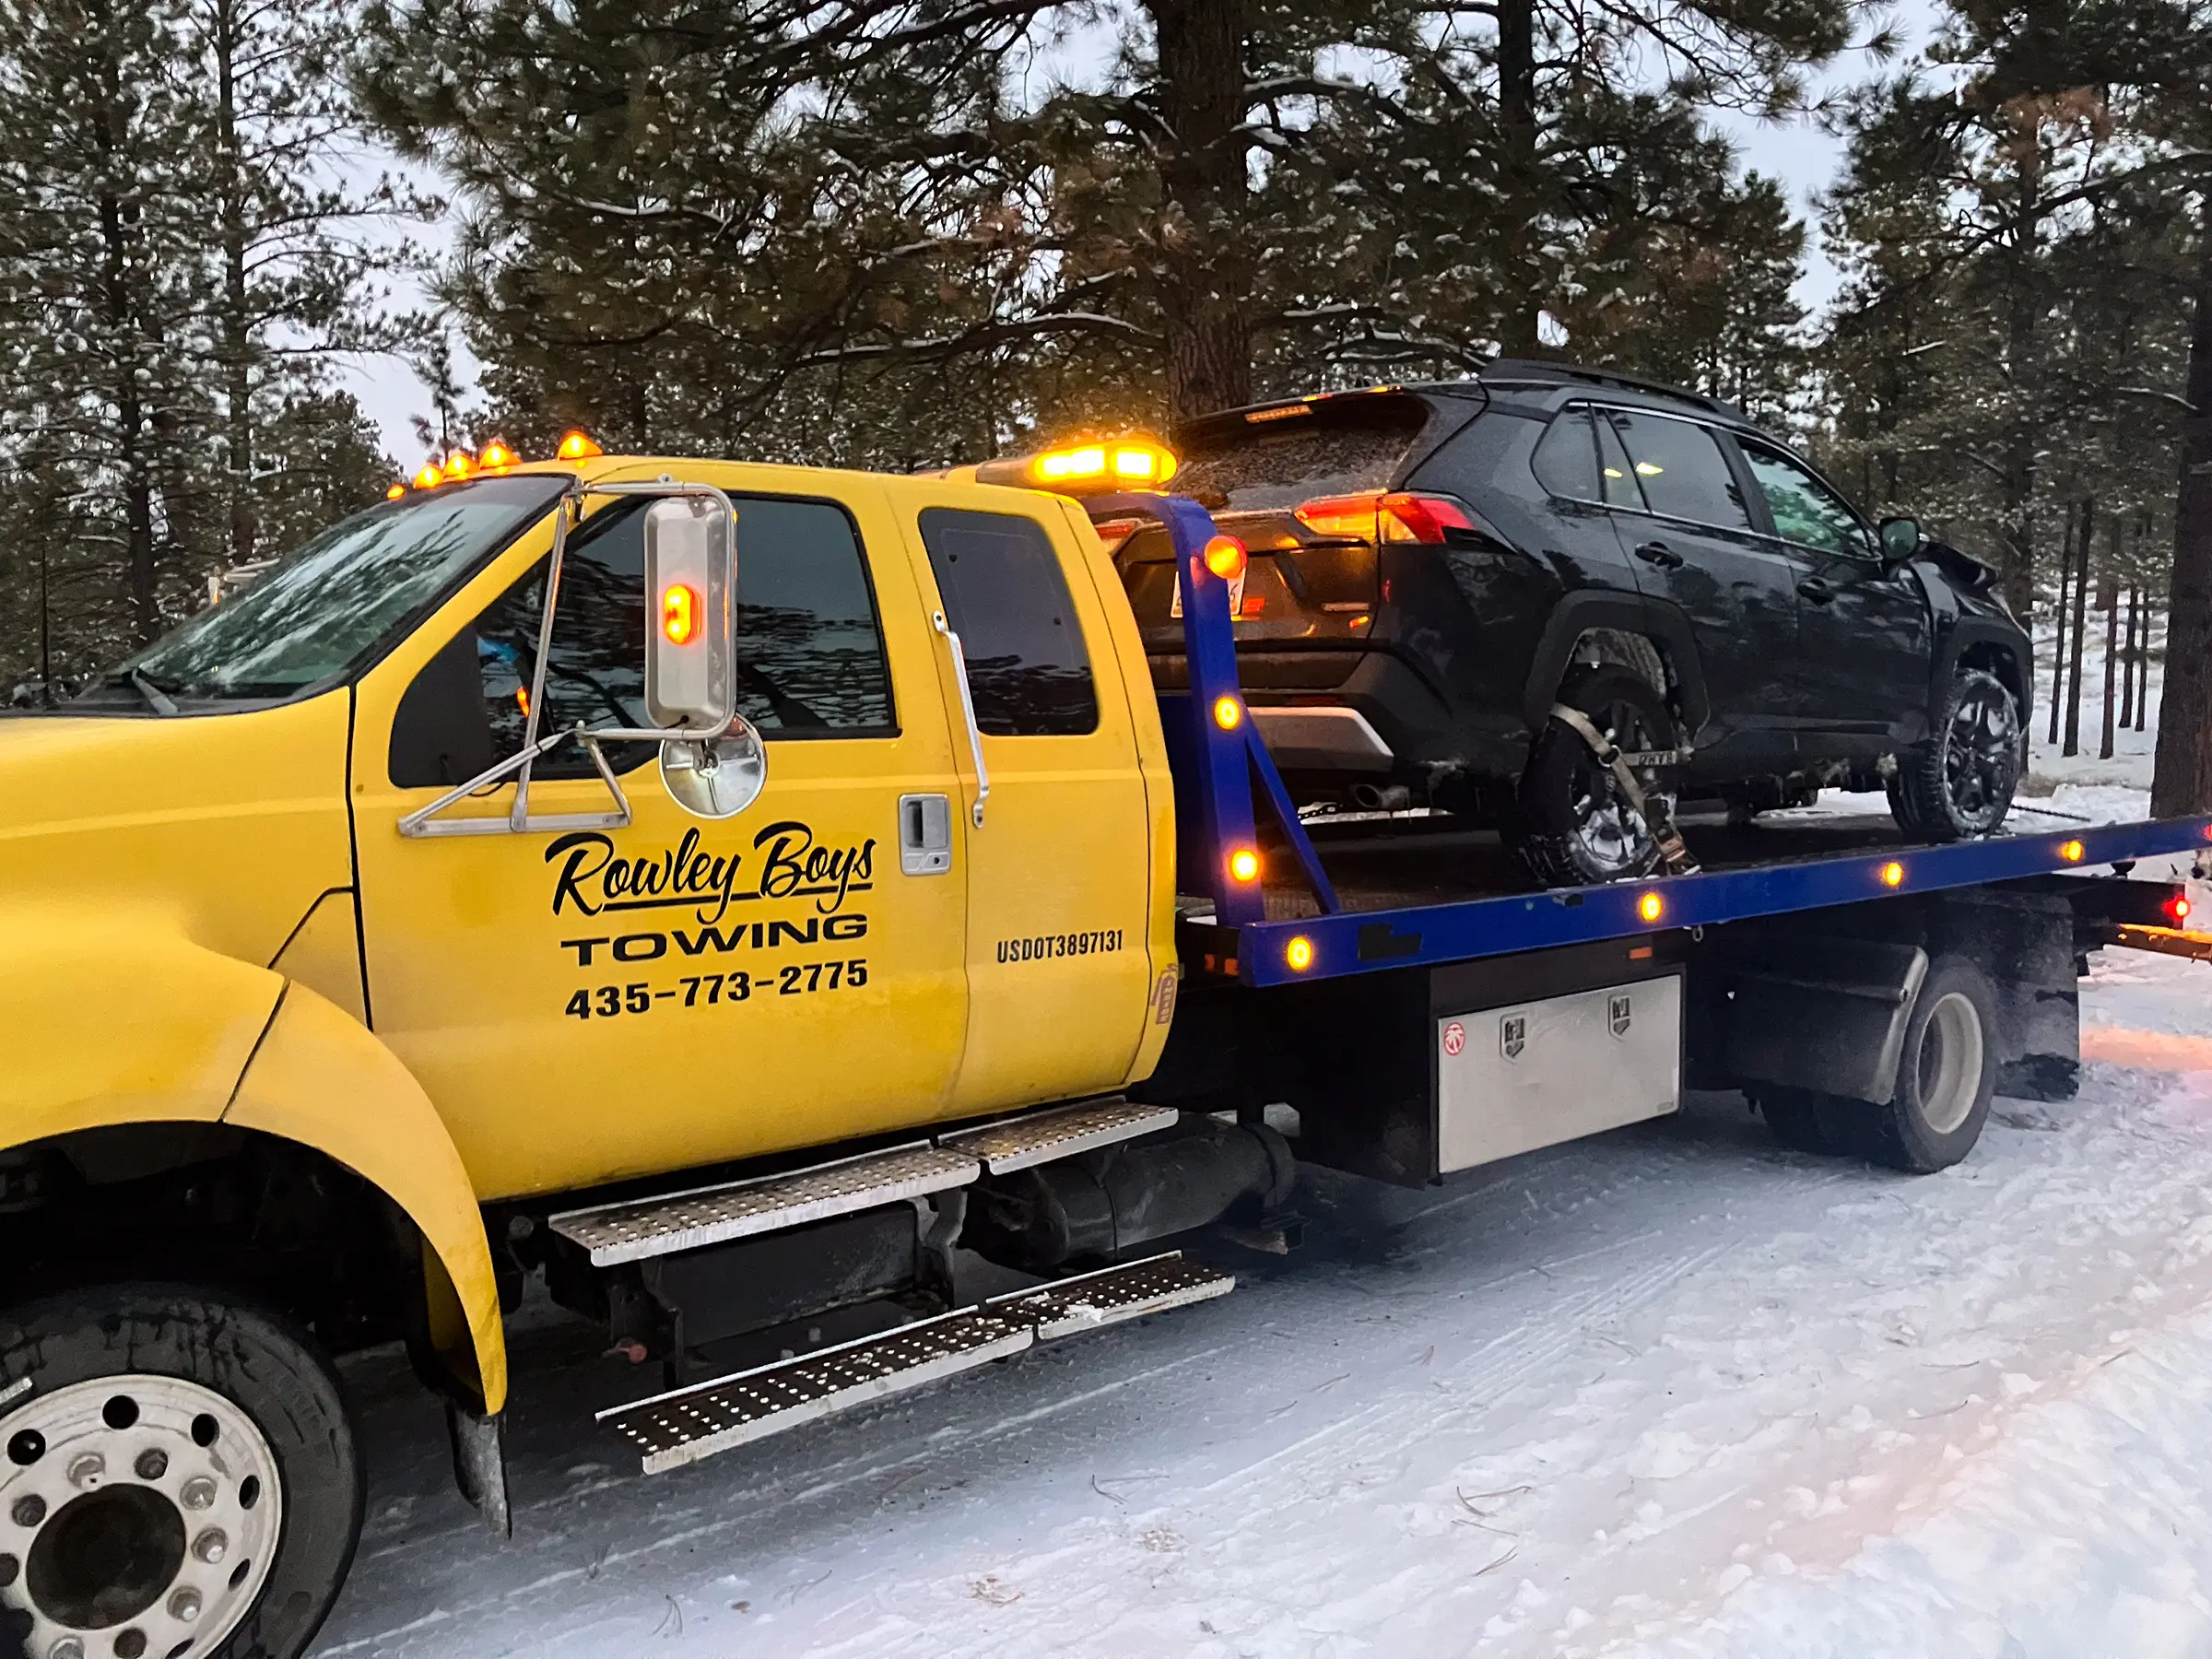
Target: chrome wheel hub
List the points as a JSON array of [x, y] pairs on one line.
[[139, 1518]]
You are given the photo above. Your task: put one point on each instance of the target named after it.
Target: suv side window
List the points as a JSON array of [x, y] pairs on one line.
[[1565, 461], [810, 654], [1616, 472], [1682, 469], [1028, 672], [1805, 510]]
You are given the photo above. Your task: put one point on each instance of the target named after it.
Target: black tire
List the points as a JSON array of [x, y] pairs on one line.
[[1947, 1071], [1572, 826], [1959, 783], [262, 1368], [1946, 1074]]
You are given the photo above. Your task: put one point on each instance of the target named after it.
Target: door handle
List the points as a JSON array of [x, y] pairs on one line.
[[1660, 554], [1818, 590], [975, 733]]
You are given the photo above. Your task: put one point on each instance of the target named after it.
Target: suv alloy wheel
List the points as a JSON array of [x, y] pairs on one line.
[[1960, 782], [1574, 826]]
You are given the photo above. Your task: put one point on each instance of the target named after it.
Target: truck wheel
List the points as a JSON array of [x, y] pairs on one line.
[[1572, 825], [1945, 1077], [1960, 782], [178, 1477]]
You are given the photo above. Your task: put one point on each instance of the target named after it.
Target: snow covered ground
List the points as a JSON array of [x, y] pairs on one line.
[[1674, 1391]]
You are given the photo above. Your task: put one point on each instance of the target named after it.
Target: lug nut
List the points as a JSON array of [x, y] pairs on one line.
[[152, 1465], [28, 1511], [68, 1647], [185, 1606], [211, 1546], [198, 1493], [87, 1471]]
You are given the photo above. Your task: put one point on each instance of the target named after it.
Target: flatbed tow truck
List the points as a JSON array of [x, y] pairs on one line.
[[340, 1007]]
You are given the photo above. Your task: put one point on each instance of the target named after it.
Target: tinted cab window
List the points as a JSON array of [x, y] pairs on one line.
[[810, 654], [1028, 672], [1806, 510]]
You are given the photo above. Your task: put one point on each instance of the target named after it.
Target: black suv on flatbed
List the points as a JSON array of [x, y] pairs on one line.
[[1434, 570]]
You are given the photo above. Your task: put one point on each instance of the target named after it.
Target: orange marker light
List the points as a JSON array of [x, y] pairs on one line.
[[460, 465], [429, 478], [679, 614], [1228, 713], [1893, 874], [576, 445], [2071, 851], [497, 454], [1244, 864], [394, 493], [1299, 954], [1651, 906], [1224, 558]]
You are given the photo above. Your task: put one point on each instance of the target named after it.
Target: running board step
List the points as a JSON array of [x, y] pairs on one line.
[[669, 1222], [684, 1427], [1038, 1137]]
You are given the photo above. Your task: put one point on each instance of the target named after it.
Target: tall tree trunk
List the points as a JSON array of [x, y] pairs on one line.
[[1201, 171], [2143, 665], [2058, 626], [2108, 599], [2182, 782], [2081, 618], [2128, 658], [1523, 300], [126, 341], [237, 323]]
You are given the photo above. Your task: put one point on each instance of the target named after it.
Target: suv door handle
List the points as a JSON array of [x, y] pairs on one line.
[[1660, 554], [1818, 590]]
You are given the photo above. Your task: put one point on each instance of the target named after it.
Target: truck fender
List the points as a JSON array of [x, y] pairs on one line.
[[321, 1079], [134, 1022]]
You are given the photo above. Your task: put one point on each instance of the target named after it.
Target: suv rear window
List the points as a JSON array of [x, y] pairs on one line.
[[1238, 464]]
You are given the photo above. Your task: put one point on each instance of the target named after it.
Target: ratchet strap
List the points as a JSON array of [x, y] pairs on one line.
[[1673, 854]]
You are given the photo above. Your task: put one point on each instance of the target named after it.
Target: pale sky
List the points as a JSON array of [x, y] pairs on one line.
[[1797, 152]]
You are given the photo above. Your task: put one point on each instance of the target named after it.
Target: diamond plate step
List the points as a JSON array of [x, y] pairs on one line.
[[666, 1223], [1042, 1136], [683, 1427], [1090, 1301]]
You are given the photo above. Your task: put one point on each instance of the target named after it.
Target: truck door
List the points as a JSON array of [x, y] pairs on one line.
[[1059, 973], [589, 1004]]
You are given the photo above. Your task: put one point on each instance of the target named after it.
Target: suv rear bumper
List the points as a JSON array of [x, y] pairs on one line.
[[1323, 739]]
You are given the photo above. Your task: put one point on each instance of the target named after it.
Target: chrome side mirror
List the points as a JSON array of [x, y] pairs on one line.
[[716, 777], [691, 615], [1900, 538]]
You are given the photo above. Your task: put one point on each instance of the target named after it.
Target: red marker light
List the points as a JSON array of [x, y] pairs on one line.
[[679, 614], [2177, 907]]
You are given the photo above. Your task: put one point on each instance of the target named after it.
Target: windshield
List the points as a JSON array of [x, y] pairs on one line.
[[324, 612]]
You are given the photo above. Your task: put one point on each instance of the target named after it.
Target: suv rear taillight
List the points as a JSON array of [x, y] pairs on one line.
[[1397, 517]]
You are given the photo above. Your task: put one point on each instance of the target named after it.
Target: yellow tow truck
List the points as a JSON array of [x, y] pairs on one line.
[[725, 894]]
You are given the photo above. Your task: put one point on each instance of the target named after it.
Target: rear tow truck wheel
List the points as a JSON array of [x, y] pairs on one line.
[[1959, 783], [178, 1478], [1573, 825], [1946, 1072]]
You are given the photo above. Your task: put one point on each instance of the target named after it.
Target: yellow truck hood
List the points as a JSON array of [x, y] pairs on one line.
[[228, 826]]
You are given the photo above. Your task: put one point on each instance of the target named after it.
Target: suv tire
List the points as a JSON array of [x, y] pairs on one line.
[[192, 1459], [1958, 785], [1571, 827]]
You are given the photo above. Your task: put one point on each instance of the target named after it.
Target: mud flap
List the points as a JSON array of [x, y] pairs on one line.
[[480, 1464]]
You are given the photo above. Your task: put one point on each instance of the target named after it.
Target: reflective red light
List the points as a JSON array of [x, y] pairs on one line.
[[2177, 907], [1401, 516]]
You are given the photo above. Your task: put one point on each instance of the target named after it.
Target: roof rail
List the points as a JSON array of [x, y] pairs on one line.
[[1538, 370]]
